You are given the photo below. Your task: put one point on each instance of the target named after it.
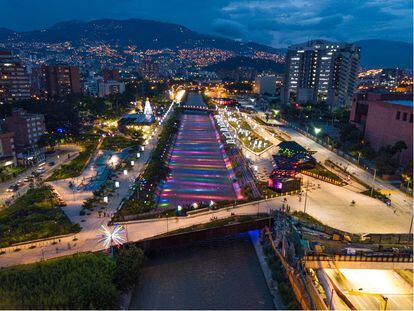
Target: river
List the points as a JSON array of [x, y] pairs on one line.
[[214, 274]]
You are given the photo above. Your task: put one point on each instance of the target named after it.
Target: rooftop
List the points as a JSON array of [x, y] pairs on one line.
[[407, 103]]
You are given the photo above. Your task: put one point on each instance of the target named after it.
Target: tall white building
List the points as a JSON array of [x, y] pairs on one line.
[[320, 70]]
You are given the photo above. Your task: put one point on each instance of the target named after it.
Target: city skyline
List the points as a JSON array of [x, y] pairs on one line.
[[273, 23]]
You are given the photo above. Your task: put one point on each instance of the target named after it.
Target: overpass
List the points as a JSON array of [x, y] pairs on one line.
[[197, 107]]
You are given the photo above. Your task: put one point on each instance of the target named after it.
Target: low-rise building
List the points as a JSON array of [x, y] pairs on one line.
[[7, 152], [265, 84], [106, 88], [385, 119], [27, 129]]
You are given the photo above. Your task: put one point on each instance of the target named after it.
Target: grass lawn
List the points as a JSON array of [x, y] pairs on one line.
[[74, 167], [117, 143], [34, 216], [322, 171], [10, 172], [253, 136]]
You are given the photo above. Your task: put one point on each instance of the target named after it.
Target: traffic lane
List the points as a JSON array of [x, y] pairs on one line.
[[59, 159]]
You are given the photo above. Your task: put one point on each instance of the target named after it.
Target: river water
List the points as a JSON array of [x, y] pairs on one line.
[[215, 274]]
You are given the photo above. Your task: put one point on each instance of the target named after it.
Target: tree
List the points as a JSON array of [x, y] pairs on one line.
[[129, 262], [398, 147]]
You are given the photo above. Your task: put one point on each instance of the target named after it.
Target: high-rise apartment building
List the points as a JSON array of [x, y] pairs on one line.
[[60, 80], [320, 70], [14, 80]]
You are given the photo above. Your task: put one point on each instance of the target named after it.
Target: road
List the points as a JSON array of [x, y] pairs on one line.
[[370, 218], [59, 157]]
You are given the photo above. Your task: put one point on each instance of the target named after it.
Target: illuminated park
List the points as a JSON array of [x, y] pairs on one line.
[[199, 168], [206, 155]]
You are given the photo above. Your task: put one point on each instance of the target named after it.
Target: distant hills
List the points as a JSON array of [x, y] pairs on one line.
[[148, 34], [145, 34], [386, 54]]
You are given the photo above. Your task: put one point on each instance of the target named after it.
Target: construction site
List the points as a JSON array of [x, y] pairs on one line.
[[329, 269]]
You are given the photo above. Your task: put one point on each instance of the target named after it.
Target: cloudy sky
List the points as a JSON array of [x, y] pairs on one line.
[[274, 22]]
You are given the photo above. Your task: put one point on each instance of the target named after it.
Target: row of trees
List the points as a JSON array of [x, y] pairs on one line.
[[156, 170], [83, 281]]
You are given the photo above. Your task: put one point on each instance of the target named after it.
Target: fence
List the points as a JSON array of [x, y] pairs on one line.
[[361, 258]]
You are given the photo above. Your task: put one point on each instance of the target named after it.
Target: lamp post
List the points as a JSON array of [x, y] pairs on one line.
[[306, 196], [373, 181]]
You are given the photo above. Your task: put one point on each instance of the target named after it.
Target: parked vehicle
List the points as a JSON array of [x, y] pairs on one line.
[[12, 188]]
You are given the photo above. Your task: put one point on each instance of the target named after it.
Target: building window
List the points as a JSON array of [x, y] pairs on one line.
[[398, 116], [404, 116], [411, 118]]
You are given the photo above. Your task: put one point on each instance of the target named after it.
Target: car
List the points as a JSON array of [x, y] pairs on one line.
[[51, 163], [12, 188], [40, 170], [387, 201], [27, 179]]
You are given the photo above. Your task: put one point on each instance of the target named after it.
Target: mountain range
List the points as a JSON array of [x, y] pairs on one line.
[[147, 34]]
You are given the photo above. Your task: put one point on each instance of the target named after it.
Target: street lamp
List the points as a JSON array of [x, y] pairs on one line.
[[317, 130]]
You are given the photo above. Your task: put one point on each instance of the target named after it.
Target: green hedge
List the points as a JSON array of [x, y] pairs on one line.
[[82, 281], [279, 275], [118, 143], [33, 216], [74, 167]]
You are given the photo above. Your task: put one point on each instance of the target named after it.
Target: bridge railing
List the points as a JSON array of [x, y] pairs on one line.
[[361, 258]]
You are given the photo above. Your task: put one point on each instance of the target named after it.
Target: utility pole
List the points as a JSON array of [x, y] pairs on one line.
[[373, 181], [306, 195]]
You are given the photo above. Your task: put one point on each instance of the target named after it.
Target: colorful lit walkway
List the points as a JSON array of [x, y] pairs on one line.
[[200, 170]]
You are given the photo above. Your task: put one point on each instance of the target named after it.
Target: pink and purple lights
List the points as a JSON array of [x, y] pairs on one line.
[[200, 169]]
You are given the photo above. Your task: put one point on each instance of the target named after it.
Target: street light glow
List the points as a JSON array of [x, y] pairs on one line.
[[109, 237]]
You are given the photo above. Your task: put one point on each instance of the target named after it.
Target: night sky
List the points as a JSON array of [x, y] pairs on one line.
[[277, 22]]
